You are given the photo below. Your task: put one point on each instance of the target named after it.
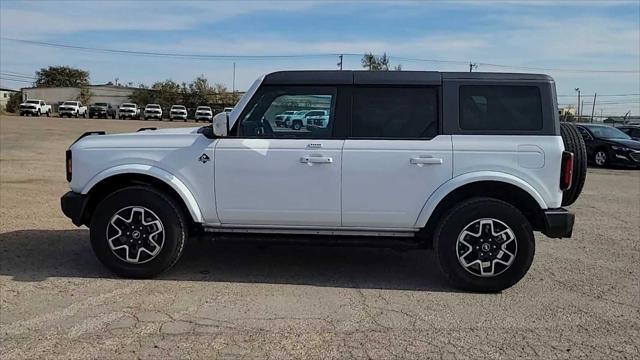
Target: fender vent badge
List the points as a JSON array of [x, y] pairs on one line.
[[204, 158]]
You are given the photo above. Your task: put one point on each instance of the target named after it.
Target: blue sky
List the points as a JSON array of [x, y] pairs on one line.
[[563, 35]]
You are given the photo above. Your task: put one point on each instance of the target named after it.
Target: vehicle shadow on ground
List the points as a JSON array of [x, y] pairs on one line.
[[35, 255]]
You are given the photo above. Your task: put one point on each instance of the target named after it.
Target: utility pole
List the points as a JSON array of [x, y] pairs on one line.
[[593, 106], [340, 62], [233, 86], [472, 66], [581, 107], [578, 108]]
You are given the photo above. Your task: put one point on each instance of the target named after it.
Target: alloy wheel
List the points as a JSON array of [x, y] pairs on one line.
[[486, 247], [135, 234], [601, 158]]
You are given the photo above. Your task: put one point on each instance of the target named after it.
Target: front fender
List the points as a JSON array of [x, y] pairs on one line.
[[168, 178], [469, 178]]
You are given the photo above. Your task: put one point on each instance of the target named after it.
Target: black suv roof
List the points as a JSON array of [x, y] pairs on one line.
[[349, 77]]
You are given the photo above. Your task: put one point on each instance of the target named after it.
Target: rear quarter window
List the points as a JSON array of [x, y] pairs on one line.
[[500, 107]]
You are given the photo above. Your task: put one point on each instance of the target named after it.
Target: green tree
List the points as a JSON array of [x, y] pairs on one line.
[[167, 93], [61, 76], [143, 95], [378, 63], [85, 95], [14, 102], [196, 93]]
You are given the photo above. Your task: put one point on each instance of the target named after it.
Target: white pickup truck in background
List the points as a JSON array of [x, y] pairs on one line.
[[35, 107], [72, 108]]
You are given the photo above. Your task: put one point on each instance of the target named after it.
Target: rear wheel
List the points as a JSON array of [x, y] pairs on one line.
[[296, 125], [574, 143], [138, 232], [601, 158], [484, 245]]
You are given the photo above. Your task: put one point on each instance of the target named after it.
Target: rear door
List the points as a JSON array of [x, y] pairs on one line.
[[269, 175], [394, 158]]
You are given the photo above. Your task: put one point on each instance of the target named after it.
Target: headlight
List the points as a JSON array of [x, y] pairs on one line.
[[620, 148]]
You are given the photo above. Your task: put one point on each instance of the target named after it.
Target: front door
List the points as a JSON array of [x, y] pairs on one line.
[[274, 176], [394, 158]]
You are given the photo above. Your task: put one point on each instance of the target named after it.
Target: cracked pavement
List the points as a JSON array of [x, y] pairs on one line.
[[581, 298]]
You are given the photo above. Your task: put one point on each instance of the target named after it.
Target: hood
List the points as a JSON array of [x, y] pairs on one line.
[[632, 144], [162, 138]]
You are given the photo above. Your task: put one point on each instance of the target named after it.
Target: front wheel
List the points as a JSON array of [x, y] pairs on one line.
[[39, 113], [484, 245], [296, 125], [138, 232]]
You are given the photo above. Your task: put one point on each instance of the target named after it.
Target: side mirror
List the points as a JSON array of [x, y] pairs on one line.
[[221, 124]]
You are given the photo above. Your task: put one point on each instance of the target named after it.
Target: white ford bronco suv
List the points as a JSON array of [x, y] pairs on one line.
[[468, 164]]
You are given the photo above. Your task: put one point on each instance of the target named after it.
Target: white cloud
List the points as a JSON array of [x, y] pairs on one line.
[[37, 20]]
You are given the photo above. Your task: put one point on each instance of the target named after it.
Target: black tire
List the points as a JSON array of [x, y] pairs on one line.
[[39, 113], [49, 113], [296, 125], [573, 142], [466, 213], [173, 221]]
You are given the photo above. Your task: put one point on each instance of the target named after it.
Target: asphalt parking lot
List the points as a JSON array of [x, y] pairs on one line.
[[581, 298]]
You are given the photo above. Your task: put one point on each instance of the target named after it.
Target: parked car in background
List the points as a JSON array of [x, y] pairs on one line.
[[607, 145], [632, 130], [228, 109], [128, 111], [152, 111], [35, 107], [178, 112], [72, 108], [317, 120], [298, 120], [280, 118], [203, 113], [102, 110]]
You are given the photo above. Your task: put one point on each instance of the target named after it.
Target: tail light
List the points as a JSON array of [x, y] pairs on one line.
[[69, 166], [566, 174]]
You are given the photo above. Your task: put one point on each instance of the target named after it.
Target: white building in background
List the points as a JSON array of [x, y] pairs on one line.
[[115, 95], [4, 97]]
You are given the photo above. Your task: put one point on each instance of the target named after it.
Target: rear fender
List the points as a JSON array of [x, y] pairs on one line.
[[469, 178]]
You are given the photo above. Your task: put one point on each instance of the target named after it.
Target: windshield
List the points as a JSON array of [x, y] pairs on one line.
[[203, 108], [33, 101], [70, 103], [607, 132], [153, 106], [100, 104], [127, 105], [177, 107]]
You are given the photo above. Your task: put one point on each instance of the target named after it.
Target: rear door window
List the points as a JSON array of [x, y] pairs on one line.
[[500, 107], [386, 112]]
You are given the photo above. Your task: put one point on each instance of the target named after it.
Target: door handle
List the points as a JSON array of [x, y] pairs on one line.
[[425, 160], [316, 159]]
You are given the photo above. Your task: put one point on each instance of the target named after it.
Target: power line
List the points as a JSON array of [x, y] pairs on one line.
[[601, 95], [293, 56], [164, 54]]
